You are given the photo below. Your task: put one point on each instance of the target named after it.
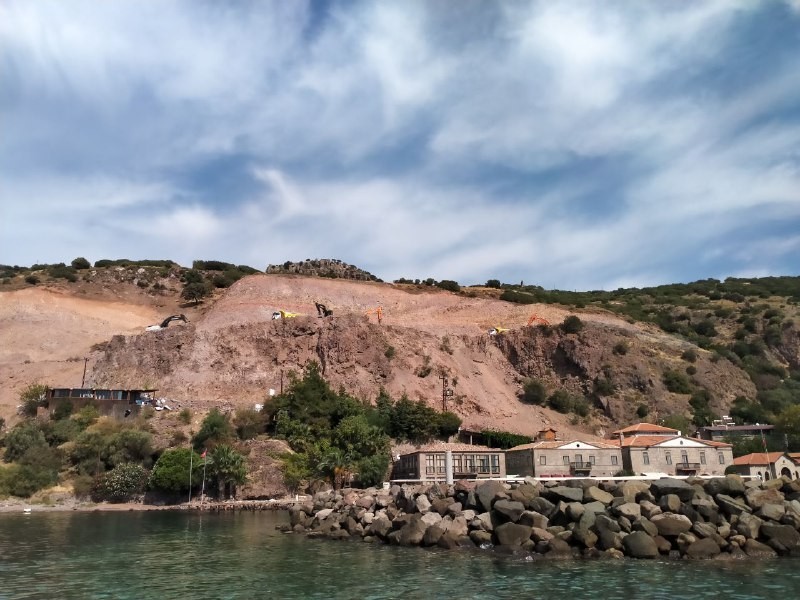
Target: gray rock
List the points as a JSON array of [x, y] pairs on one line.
[[431, 518], [450, 541], [704, 530], [670, 503], [731, 506], [670, 524], [771, 512], [563, 493], [684, 540], [649, 509], [512, 534], [381, 526], [510, 509], [629, 510], [422, 503], [453, 509], [539, 535], [542, 506], [609, 540], [595, 494], [640, 545], [757, 498], [524, 493], [646, 525], [629, 490], [458, 526], [605, 523], [486, 521], [703, 548], [534, 519], [731, 485], [663, 544], [585, 536], [783, 538], [558, 548], [595, 507], [748, 525], [755, 549], [482, 539], [488, 493], [432, 535], [679, 487]]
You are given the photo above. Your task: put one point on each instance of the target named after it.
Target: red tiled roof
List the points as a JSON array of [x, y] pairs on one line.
[[646, 441], [645, 428], [550, 444], [758, 458], [456, 447]]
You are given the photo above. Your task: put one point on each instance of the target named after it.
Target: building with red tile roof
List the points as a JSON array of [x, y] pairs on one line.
[[768, 465]]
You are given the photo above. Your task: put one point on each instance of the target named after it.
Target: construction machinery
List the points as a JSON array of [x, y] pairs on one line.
[[536, 318], [322, 310], [282, 314], [377, 311], [497, 330], [165, 323]]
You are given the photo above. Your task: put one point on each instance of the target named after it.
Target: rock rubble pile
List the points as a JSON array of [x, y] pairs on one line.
[[724, 517]]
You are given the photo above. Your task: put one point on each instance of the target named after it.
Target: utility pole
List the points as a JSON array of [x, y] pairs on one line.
[[446, 392], [83, 379]]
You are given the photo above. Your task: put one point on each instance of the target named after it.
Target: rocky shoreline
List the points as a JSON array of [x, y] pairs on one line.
[[725, 517]]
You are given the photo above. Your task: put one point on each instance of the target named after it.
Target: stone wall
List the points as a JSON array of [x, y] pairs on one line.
[[724, 517]]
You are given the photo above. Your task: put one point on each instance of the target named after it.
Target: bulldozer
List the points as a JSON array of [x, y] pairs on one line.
[[322, 310], [282, 314]]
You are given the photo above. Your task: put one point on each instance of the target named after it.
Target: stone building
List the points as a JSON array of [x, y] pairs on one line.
[[674, 455], [768, 465], [428, 463], [565, 458]]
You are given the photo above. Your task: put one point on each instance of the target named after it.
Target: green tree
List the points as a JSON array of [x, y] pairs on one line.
[[227, 468], [337, 466], [80, 263], [23, 437], [448, 424], [33, 397], [215, 429], [249, 423], [371, 470], [788, 423], [534, 392], [676, 382], [195, 291], [572, 324], [170, 474]]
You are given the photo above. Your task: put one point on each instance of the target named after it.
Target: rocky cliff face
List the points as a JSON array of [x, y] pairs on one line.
[[234, 354], [322, 267]]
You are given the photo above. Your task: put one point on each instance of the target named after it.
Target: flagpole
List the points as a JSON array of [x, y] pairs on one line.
[[191, 456], [203, 488]]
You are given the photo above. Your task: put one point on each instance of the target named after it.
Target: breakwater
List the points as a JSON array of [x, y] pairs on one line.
[[725, 517]]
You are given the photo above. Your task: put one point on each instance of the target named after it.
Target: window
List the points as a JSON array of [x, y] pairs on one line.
[[457, 463], [469, 463], [702, 457], [566, 460], [495, 464], [668, 458], [721, 457], [579, 459], [684, 457], [591, 459], [440, 458], [645, 458], [542, 460], [483, 463], [429, 468], [614, 459]]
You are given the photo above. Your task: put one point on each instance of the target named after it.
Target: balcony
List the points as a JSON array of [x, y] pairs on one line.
[[580, 468], [687, 466]]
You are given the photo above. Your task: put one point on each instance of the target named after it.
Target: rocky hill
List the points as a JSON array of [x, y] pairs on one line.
[[611, 370], [322, 267]]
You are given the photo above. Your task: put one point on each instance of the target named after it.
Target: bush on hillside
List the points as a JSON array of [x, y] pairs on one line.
[[676, 382], [124, 483], [572, 324], [534, 392]]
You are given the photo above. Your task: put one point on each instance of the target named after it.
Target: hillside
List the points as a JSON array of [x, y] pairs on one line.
[[231, 353]]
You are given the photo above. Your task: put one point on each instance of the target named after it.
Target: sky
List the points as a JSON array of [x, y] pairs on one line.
[[573, 145]]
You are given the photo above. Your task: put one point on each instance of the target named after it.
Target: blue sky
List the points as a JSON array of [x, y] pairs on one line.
[[574, 145]]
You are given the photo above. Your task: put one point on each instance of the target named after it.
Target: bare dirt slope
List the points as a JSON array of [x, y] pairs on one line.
[[234, 353]]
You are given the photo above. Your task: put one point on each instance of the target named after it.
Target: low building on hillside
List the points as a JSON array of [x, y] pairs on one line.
[[564, 458], [725, 428], [108, 402], [674, 455], [428, 463], [768, 465]]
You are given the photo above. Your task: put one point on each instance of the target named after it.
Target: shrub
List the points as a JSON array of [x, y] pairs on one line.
[[390, 352], [171, 471], [561, 401], [642, 411], [185, 416], [80, 263], [371, 470], [447, 284], [534, 392], [621, 348], [23, 437], [448, 424], [676, 382], [122, 484], [32, 279], [691, 370], [604, 386], [572, 324], [249, 423], [33, 397], [82, 486], [215, 429], [689, 355], [494, 283]]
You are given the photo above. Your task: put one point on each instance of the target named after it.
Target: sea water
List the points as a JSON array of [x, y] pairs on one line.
[[166, 555]]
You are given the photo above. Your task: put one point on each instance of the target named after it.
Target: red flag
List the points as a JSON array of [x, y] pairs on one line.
[[203, 455]]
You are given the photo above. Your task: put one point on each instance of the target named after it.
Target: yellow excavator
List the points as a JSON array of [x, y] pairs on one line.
[[497, 330], [282, 314]]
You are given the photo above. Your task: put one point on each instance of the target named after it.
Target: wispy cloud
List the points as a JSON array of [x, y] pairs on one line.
[[575, 145]]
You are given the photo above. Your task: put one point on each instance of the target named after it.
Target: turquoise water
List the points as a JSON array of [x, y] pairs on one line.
[[179, 555]]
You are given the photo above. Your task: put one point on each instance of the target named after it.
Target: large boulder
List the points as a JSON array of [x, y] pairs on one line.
[[783, 538], [381, 526], [422, 503], [755, 549], [646, 525], [595, 494], [561, 493], [670, 524], [757, 498], [640, 545], [748, 525], [731, 485], [512, 534], [488, 493], [629, 490], [771, 512], [534, 519], [524, 493], [670, 503], [629, 510], [432, 535], [511, 510], [703, 548], [679, 487], [542, 506], [731, 506]]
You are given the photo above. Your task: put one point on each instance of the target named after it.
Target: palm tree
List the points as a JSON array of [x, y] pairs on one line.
[[337, 466], [228, 468]]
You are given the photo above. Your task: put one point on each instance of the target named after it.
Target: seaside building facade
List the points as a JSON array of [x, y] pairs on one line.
[[566, 458], [117, 403], [429, 463], [768, 465]]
